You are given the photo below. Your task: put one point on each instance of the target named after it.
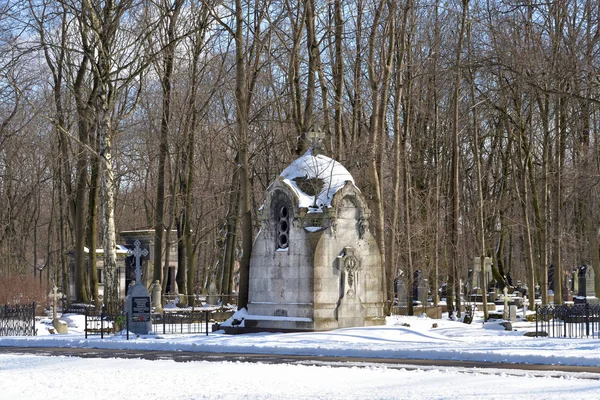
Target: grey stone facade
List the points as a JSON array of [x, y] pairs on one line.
[[315, 264]]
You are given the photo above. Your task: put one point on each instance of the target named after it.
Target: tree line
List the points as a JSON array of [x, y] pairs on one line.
[[472, 127]]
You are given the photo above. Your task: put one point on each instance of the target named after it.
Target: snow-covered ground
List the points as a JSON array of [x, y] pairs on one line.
[[32, 377]]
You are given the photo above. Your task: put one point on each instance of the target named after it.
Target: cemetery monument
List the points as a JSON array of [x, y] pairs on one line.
[[59, 325], [315, 264], [137, 302], [586, 290], [475, 282]]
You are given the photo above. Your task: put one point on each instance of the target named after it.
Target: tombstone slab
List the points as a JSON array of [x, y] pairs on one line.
[[590, 289], [512, 313], [137, 304], [586, 292], [157, 296], [212, 299], [60, 326]]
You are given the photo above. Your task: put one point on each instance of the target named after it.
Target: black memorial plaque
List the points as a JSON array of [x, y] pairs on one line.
[[140, 308]]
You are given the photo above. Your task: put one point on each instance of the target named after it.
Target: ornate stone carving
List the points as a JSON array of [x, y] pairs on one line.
[[350, 264], [363, 227]]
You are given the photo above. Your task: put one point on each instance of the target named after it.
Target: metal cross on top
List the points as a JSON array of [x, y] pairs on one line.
[[137, 252]]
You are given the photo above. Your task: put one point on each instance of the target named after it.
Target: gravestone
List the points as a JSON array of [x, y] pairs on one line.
[[420, 288], [157, 296], [575, 281], [551, 279], [475, 282], [137, 302], [505, 312], [586, 292], [512, 313], [212, 299], [525, 305], [401, 295], [590, 289], [60, 326]]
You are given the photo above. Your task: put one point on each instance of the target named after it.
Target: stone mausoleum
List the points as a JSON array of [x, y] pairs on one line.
[[126, 264], [315, 264]]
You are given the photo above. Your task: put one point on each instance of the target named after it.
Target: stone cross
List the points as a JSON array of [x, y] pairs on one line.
[[54, 296], [525, 305], [505, 313], [137, 252], [315, 136]]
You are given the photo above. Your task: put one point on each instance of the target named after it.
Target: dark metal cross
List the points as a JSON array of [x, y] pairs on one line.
[[137, 252]]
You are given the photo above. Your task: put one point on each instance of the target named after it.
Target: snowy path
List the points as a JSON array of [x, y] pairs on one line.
[[541, 370], [30, 377]]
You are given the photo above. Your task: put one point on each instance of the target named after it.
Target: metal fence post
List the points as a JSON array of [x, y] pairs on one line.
[[206, 318], [33, 316], [164, 322], [565, 316], [536, 320], [587, 319], [127, 324]]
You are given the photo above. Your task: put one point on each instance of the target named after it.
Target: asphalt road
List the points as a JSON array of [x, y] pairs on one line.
[[592, 372]]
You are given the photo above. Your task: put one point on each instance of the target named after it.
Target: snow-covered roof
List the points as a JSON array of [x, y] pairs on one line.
[[315, 179], [120, 249]]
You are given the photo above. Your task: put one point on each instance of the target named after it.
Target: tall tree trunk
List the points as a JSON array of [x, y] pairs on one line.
[[400, 136], [480, 203], [338, 79], [241, 100], [167, 71], [92, 231], [557, 205], [81, 292], [455, 182], [230, 233], [377, 83], [111, 286], [436, 145], [357, 121]]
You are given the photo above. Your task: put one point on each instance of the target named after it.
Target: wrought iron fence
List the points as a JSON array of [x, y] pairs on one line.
[[184, 321], [79, 308], [178, 320], [201, 299], [166, 322], [17, 320], [104, 324], [568, 321]]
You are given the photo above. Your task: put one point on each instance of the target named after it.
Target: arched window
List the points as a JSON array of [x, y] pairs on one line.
[[283, 227]]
